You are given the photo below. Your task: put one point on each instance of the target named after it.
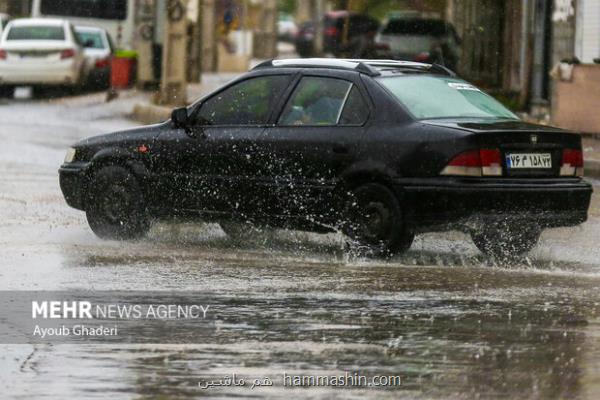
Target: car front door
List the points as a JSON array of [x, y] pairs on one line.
[[316, 137], [211, 167]]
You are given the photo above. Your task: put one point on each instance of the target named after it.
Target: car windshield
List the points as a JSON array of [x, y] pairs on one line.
[[36, 32], [94, 39], [429, 97]]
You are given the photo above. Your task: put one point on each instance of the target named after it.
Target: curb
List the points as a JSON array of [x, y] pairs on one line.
[[150, 114], [590, 135], [592, 168]]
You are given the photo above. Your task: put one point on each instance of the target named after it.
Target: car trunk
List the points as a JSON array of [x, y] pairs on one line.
[[25, 50], [527, 150]]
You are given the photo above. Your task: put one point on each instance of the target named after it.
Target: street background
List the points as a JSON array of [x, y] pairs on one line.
[[452, 322]]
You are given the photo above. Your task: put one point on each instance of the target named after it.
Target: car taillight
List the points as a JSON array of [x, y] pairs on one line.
[[67, 53], [572, 163], [2, 54], [103, 63], [482, 162], [331, 31]]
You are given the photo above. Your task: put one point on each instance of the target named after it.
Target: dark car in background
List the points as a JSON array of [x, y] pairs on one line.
[[421, 40], [379, 150], [98, 50], [335, 32], [305, 39], [335, 27]]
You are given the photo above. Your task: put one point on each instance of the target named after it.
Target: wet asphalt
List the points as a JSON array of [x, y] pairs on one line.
[[451, 322]]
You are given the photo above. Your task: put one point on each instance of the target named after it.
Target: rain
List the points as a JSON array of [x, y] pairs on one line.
[[451, 321]]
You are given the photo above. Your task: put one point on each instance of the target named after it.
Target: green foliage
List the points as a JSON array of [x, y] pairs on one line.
[[287, 6]]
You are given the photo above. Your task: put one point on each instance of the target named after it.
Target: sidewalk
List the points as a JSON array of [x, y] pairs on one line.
[[591, 156]]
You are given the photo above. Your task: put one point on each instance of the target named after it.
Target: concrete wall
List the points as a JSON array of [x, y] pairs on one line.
[[587, 44], [575, 103]]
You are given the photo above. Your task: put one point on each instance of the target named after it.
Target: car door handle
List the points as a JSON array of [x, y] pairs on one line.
[[340, 149]]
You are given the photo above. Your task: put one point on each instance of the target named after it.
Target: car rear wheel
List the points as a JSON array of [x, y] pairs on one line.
[[374, 222], [115, 207], [506, 240]]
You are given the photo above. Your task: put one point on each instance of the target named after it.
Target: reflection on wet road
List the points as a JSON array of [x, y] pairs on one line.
[[451, 322]]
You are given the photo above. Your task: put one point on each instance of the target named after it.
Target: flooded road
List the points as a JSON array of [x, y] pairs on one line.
[[449, 321]]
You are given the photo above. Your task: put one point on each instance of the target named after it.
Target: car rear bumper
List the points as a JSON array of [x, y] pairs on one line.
[[56, 73], [73, 183], [456, 203]]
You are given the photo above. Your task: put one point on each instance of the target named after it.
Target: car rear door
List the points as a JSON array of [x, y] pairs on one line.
[[315, 138]]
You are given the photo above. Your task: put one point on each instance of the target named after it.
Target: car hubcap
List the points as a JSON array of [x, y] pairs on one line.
[[375, 222], [116, 203]]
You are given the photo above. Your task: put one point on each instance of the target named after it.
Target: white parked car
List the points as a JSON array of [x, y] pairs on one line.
[[98, 50], [40, 52], [286, 28]]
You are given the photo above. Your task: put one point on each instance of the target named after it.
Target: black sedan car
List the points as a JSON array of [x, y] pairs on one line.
[[379, 150]]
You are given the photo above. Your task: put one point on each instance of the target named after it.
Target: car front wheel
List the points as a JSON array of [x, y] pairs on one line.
[[115, 207], [505, 240], [374, 222]]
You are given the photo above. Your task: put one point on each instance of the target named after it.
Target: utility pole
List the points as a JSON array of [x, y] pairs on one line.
[[195, 61], [304, 11], [209, 37], [270, 20], [266, 37], [318, 14], [539, 52], [145, 14], [173, 84]]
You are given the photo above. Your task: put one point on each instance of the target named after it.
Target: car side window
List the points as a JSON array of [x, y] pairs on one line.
[[316, 101], [355, 110], [247, 103]]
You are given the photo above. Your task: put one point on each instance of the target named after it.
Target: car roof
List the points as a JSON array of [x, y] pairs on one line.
[[366, 66], [38, 21]]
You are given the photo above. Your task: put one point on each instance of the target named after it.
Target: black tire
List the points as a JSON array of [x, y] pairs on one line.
[[374, 222], [506, 240], [7, 91], [115, 207]]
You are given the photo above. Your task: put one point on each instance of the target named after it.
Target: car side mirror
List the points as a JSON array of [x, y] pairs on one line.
[[179, 116], [181, 119]]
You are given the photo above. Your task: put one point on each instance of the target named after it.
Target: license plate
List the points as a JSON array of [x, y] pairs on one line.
[[528, 160], [33, 55]]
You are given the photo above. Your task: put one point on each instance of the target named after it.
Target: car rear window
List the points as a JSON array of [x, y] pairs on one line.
[[95, 39], [429, 97], [36, 32]]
